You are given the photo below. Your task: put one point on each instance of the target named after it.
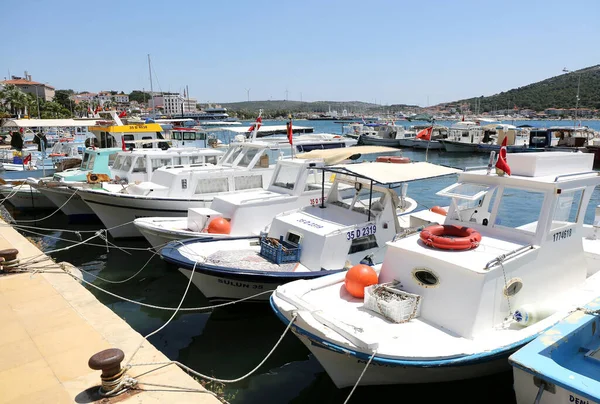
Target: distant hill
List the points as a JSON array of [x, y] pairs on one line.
[[282, 107], [555, 92]]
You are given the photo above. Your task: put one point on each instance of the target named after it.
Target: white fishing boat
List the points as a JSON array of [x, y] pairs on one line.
[[121, 167], [295, 183], [518, 258], [463, 137], [562, 365], [388, 135], [23, 197], [175, 188], [312, 241], [303, 143]]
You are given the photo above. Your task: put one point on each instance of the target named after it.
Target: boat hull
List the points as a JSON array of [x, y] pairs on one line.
[[345, 367], [159, 236], [74, 208], [27, 198], [423, 145], [371, 141], [117, 212], [458, 147], [526, 390]]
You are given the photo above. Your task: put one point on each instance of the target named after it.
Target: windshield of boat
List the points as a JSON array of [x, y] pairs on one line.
[[231, 155], [118, 162], [248, 156], [91, 160], [285, 177]]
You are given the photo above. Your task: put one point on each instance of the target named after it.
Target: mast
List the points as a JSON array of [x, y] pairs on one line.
[[151, 91]]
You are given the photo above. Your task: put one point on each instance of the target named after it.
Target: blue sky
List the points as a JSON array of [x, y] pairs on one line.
[[415, 52]]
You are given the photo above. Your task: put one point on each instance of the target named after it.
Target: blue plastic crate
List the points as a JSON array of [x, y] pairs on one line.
[[281, 253]]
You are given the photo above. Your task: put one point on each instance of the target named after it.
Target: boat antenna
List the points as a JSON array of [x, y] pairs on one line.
[[491, 162], [151, 90]]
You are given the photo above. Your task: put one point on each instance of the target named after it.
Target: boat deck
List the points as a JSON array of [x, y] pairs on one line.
[[250, 259]]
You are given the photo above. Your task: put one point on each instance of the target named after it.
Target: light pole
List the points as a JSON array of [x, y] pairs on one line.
[[577, 96]]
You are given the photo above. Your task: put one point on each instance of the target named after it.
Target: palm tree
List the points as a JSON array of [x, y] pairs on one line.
[[14, 99]]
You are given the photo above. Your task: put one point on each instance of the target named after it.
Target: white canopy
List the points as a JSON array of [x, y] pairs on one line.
[[335, 156], [48, 123], [391, 173]]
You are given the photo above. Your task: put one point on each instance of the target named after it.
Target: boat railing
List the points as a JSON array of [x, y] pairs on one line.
[[475, 168], [503, 257], [575, 174]]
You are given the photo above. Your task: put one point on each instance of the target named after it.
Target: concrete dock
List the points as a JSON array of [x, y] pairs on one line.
[[52, 325]]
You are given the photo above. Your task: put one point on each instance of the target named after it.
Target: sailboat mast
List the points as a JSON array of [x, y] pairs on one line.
[[151, 91]]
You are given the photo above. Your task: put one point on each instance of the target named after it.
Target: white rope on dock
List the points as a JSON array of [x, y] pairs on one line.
[[214, 379]]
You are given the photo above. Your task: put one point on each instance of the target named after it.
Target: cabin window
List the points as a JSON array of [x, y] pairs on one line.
[[147, 145], [514, 213], [127, 163], [111, 158], [248, 182], [212, 159], [84, 162], [248, 157], [293, 238], [363, 243], [195, 159], [140, 165], [425, 277], [210, 185], [200, 136], [90, 164], [231, 155], [176, 135], [314, 179], [118, 162], [157, 163], [285, 177], [189, 136], [568, 205]]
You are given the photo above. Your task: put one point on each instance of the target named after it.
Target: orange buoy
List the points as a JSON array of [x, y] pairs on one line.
[[358, 277], [383, 159], [399, 160], [219, 225], [439, 210]]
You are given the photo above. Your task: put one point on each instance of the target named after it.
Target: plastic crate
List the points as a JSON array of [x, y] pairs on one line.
[[282, 252], [399, 307]]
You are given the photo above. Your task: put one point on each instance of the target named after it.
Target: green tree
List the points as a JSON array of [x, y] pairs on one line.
[[14, 100], [139, 96], [63, 97]]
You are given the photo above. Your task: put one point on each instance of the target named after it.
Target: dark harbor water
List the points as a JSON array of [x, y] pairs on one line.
[[229, 342]]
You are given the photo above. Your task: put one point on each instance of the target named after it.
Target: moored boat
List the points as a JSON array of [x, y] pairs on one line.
[[313, 241], [455, 300]]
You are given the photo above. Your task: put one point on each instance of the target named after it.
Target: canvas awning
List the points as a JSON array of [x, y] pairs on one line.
[[392, 173], [48, 123], [336, 156]]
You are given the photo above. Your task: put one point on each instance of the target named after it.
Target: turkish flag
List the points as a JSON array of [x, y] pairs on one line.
[[290, 132], [256, 125], [425, 134], [27, 159], [501, 164], [122, 114]]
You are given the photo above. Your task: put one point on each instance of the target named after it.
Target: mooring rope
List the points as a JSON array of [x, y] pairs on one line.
[[51, 214], [360, 377]]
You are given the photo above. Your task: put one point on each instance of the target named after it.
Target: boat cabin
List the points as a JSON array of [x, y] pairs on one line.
[[465, 132], [530, 249], [243, 166], [339, 232], [112, 132], [139, 164], [295, 183], [97, 161], [189, 137]]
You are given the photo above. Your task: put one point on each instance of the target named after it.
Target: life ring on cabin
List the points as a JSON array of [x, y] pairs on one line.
[[57, 154], [392, 159], [450, 237], [337, 137]]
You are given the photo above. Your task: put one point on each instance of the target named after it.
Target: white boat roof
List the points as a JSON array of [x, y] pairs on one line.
[[391, 173], [335, 156], [47, 123], [176, 150], [262, 129]]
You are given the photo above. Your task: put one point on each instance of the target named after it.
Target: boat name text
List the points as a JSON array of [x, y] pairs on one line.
[[239, 284], [309, 223], [562, 234], [365, 231], [577, 400]]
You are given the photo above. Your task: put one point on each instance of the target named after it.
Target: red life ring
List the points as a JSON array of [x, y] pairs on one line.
[[392, 159], [57, 155], [450, 237]]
